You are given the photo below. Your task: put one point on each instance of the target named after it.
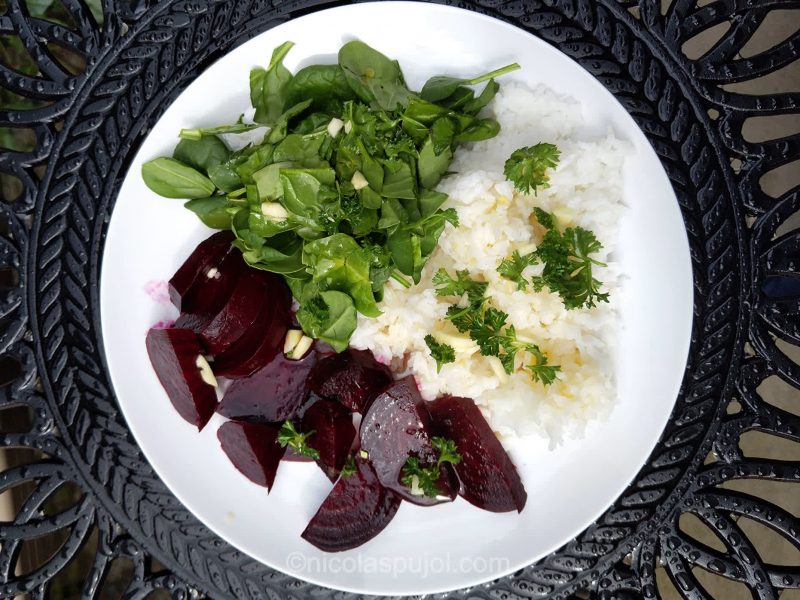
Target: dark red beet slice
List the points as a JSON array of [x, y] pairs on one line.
[[253, 449], [357, 509], [206, 256], [333, 435], [489, 479], [173, 353], [208, 294], [272, 394], [396, 427], [265, 338], [237, 315], [352, 377]]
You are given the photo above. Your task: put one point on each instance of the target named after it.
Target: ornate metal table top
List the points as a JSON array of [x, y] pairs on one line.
[[85, 115]]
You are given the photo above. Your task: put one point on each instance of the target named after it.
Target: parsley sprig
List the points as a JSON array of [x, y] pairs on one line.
[[487, 327], [527, 167], [440, 352], [289, 436], [512, 268], [567, 264], [423, 479]]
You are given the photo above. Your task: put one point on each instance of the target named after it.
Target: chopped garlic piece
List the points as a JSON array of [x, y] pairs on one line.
[[300, 349], [335, 126], [206, 374], [293, 337], [359, 181], [497, 368], [274, 211]]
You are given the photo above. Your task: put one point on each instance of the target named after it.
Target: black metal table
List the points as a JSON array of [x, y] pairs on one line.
[[88, 124]]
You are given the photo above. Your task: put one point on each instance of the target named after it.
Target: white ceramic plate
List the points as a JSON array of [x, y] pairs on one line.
[[423, 550]]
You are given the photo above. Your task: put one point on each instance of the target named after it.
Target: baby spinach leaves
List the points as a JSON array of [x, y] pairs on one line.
[[338, 197], [172, 179]]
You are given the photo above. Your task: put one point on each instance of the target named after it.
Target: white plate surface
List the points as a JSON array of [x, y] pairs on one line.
[[423, 550]]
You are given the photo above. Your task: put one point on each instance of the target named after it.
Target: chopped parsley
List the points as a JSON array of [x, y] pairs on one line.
[[527, 167], [441, 353], [421, 480], [512, 268], [289, 436], [487, 327], [349, 467], [567, 264]]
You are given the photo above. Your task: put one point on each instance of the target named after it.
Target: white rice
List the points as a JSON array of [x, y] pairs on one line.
[[586, 190]]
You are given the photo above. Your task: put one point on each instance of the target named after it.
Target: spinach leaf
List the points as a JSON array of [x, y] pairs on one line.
[[213, 211], [255, 161], [196, 134], [373, 77], [280, 128], [479, 130], [302, 149], [398, 182], [268, 88], [406, 252], [431, 165], [337, 262], [441, 87], [329, 316], [321, 84], [202, 154], [474, 106], [268, 181], [225, 177], [172, 179], [282, 256], [392, 214], [430, 201]]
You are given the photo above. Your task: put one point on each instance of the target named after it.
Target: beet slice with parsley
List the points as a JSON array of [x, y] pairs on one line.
[[208, 294], [208, 255], [253, 449], [264, 339], [489, 479], [397, 427], [272, 394], [357, 509], [174, 355], [333, 435], [352, 377]]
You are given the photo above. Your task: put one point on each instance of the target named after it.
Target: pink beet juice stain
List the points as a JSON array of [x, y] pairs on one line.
[[158, 290]]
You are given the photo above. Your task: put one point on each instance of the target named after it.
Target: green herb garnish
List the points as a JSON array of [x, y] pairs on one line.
[[527, 167], [512, 268], [349, 467], [458, 286], [441, 353], [422, 480], [487, 327], [567, 264], [289, 436], [339, 197]]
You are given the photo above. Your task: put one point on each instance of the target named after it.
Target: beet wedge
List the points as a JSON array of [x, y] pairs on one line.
[[396, 427], [352, 377], [272, 394], [208, 255], [264, 339], [489, 479], [237, 315], [207, 295], [357, 509], [253, 450], [174, 355], [333, 435]]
